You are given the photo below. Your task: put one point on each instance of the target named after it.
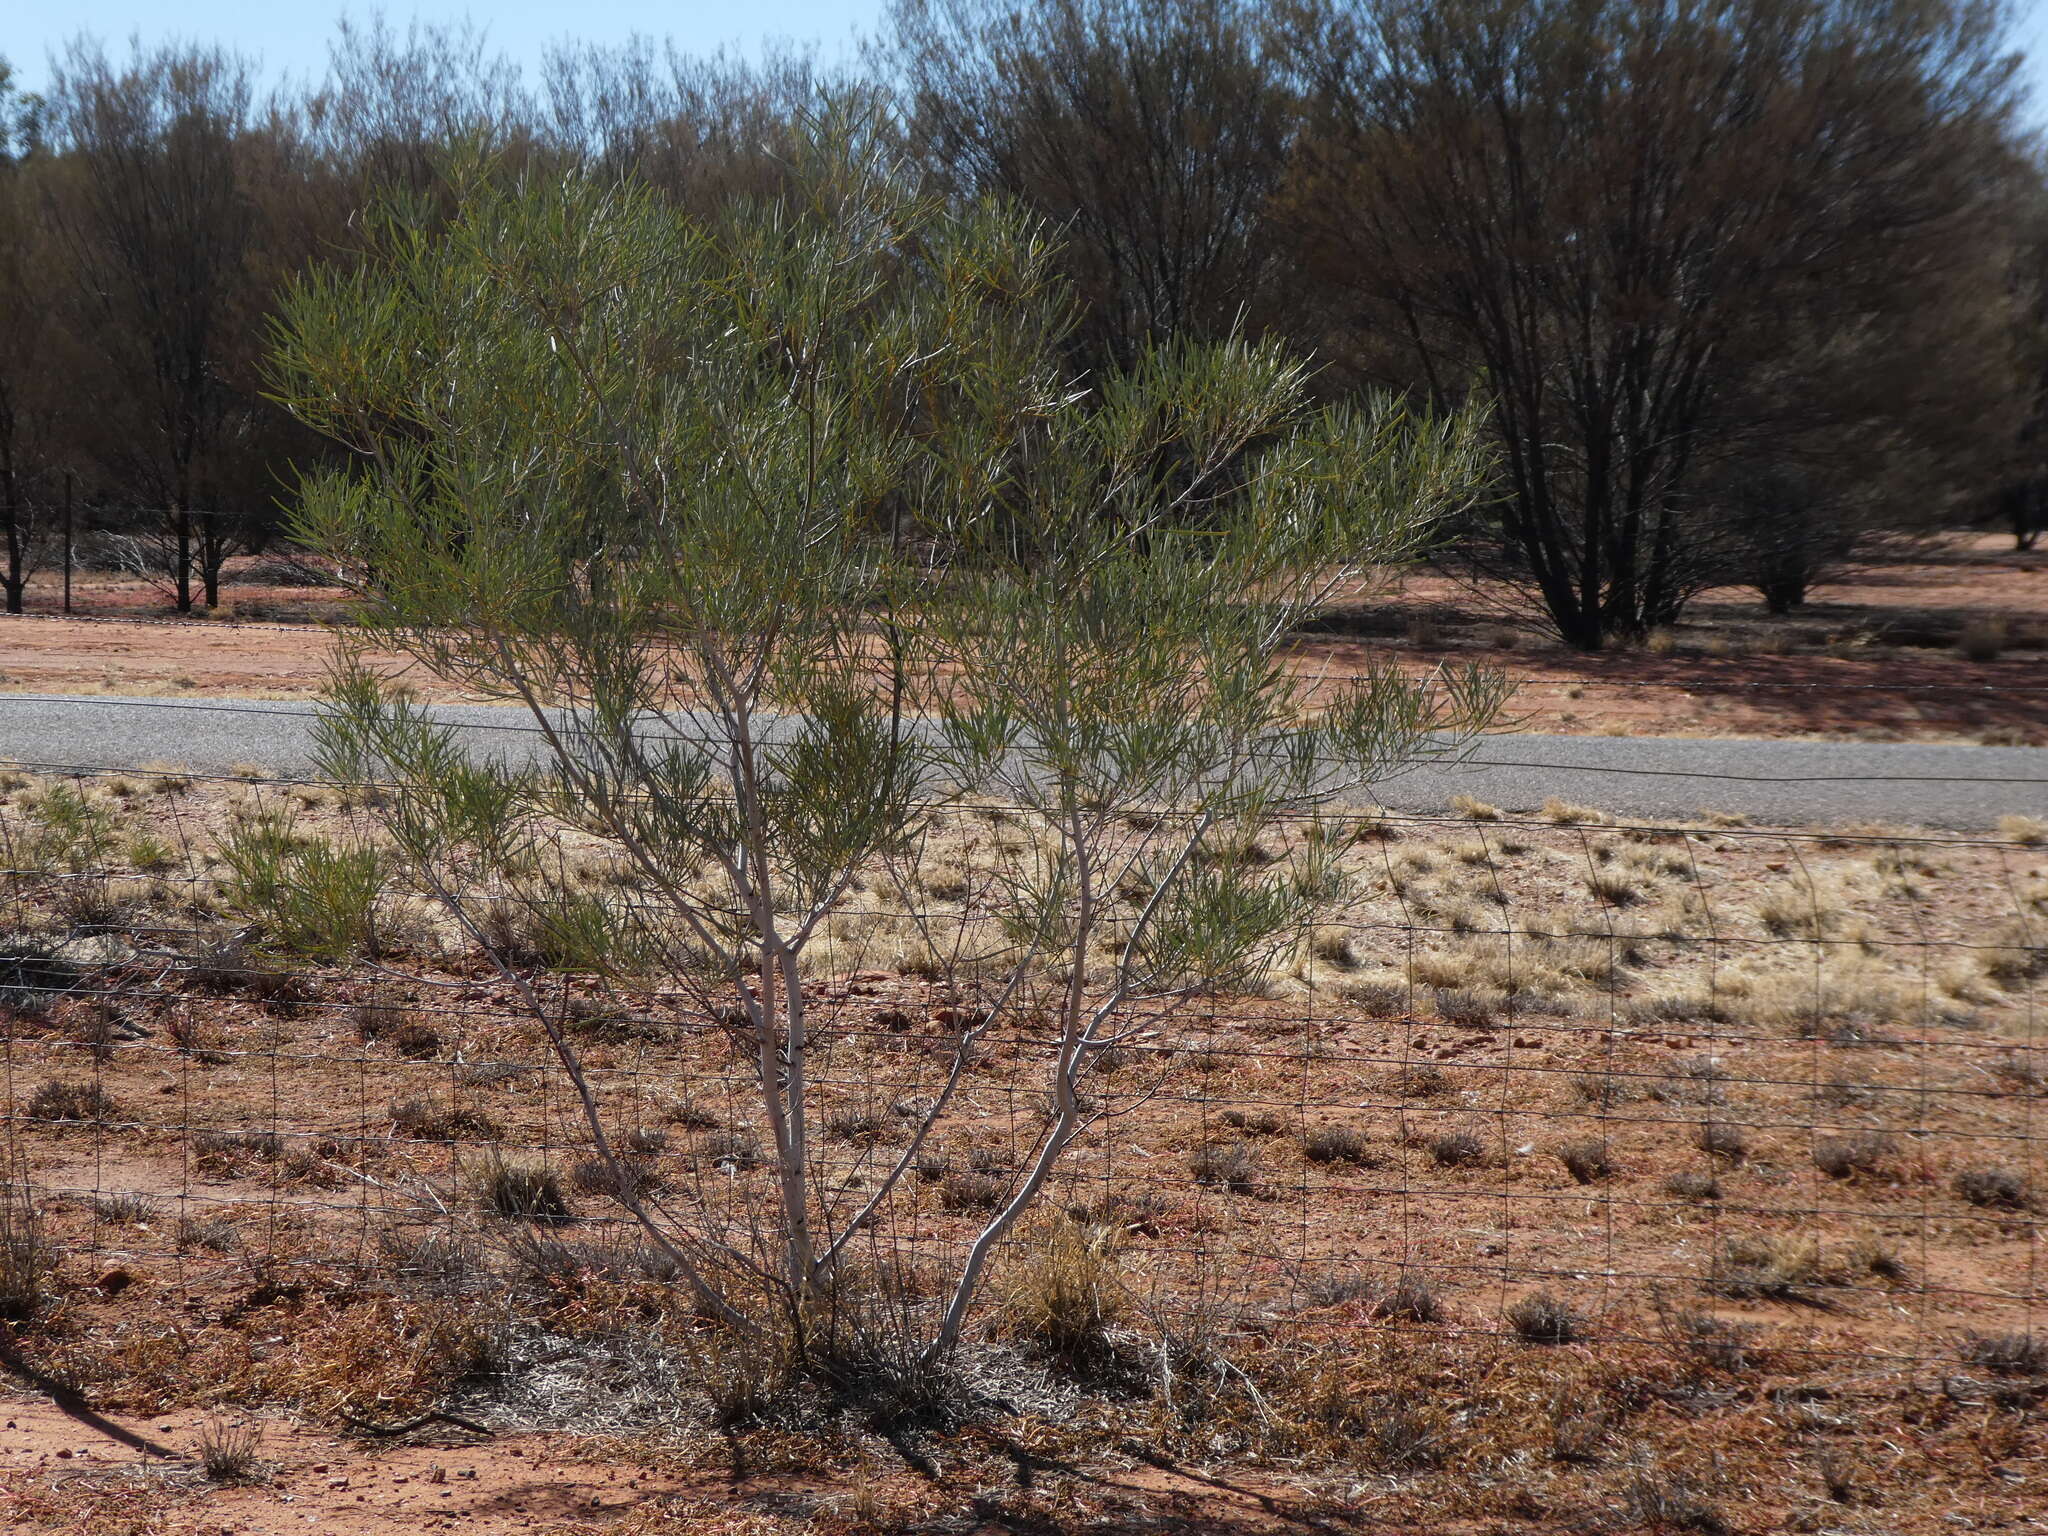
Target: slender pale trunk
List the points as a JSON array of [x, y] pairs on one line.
[[1075, 1025]]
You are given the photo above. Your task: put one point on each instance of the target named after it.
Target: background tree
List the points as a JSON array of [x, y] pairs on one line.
[[157, 223], [31, 395], [698, 130], [392, 104], [1600, 215], [620, 464], [1854, 437], [1150, 136], [2019, 495]]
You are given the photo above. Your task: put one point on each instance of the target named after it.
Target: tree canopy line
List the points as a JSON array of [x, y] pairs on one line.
[[1738, 286]]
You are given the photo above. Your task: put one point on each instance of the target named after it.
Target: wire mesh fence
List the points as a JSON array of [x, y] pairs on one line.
[[1544, 1078]]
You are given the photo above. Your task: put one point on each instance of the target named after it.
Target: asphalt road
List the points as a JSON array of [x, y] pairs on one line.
[[1773, 783]]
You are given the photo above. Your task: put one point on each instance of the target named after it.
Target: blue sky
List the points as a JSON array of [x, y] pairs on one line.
[[2032, 35], [291, 36]]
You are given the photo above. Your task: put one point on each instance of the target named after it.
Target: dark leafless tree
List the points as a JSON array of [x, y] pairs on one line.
[[1151, 136], [157, 224], [1602, 216], [29, 400]]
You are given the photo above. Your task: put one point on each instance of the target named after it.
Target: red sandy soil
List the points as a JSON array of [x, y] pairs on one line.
[[88, 1472], [305, 1310], [1873, 658], [83, 1466]]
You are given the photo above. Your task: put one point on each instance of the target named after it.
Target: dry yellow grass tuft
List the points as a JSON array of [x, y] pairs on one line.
[[2027, 831]]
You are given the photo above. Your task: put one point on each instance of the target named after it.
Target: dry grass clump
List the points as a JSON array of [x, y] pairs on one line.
[[72, 1103], [968, 1190], [1873, 1256], [1850, 1002], [522, 1192], [728, 1151], [1462, 918], [1614, 887], [1065, 1291], [2016, 956], [216, 1234], [1408, 1298], [2018, 1072], [2027, 831], [1474, 810], [644, 1141], [433, 1260], [2007, 1354], [1542, 1318], [1583, 961], [615, 1258], [1691, 1184], [1421, 1081], [231, 1151], [426, 1120], [1707, 1342], [1654, 1502], [1340, 1144], [1385, 994], [1587, 1161], [192, 1034], [403, 1030], [863, 1125], [124, 1210], [1400, 1436], [1995, 1189], [1794, 911], [28, 1260], [1601, 1090], [1456, 966], [1254, 1122], [227, 1453], [1333, 945], [622, 1179], [1456, 1149], [416, 1041], [1724, 1143], [1848, 1157], [1231, 1165], [1771, 1267], [1564, 813], [1467, 1007]]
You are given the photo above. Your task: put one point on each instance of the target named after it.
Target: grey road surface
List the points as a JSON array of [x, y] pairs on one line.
[[1774, 783]]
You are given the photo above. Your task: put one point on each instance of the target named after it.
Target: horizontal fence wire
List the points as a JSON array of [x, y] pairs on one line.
[[1789, 1078]]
